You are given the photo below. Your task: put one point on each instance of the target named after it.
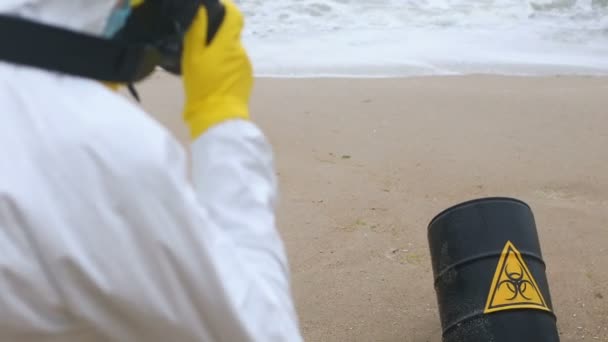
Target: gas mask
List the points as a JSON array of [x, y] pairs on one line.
[[117, 19], [139, 39]]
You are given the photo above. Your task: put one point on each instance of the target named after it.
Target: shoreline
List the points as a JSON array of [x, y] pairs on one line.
[[423, 77]]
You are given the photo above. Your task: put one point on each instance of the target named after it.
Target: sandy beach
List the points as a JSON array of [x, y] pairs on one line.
[[365, 164]]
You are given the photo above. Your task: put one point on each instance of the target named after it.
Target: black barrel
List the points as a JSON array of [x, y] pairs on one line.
[[489, 273]]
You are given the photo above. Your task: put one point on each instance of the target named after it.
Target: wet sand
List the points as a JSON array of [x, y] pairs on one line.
[[365, 164]]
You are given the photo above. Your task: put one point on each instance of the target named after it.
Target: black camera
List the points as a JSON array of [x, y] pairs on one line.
[[152, 37]]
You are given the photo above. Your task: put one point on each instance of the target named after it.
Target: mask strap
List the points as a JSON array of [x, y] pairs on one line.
[[51, 48]]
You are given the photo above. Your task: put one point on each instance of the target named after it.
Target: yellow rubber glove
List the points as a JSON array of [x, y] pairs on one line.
[[218, 76], [113, 86]]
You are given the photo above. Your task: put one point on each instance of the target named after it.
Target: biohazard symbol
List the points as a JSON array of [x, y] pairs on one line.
[[513, 286]]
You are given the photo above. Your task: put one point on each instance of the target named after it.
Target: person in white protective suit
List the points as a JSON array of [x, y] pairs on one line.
[[102, 235]]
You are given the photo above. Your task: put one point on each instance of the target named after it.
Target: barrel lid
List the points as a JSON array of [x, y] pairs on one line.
[[473, 202]]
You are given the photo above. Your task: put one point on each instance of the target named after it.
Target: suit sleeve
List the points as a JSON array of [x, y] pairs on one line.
[[235, 182]]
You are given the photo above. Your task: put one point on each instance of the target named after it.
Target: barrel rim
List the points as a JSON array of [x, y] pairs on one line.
[[479, 313], [475, 201], [461, 263]]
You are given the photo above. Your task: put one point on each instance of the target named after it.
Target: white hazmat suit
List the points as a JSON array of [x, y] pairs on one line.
[[102, 236]]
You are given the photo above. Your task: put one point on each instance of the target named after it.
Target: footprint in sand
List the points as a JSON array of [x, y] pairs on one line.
[[405, 256], [575, 191]]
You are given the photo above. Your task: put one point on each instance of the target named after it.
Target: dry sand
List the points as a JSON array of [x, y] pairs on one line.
[[365, 164]]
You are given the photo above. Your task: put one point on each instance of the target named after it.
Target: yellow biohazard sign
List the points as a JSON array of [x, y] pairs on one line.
[[513, 286]]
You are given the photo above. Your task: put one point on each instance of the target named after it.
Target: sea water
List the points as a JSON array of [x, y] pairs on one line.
[[384, 38]]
